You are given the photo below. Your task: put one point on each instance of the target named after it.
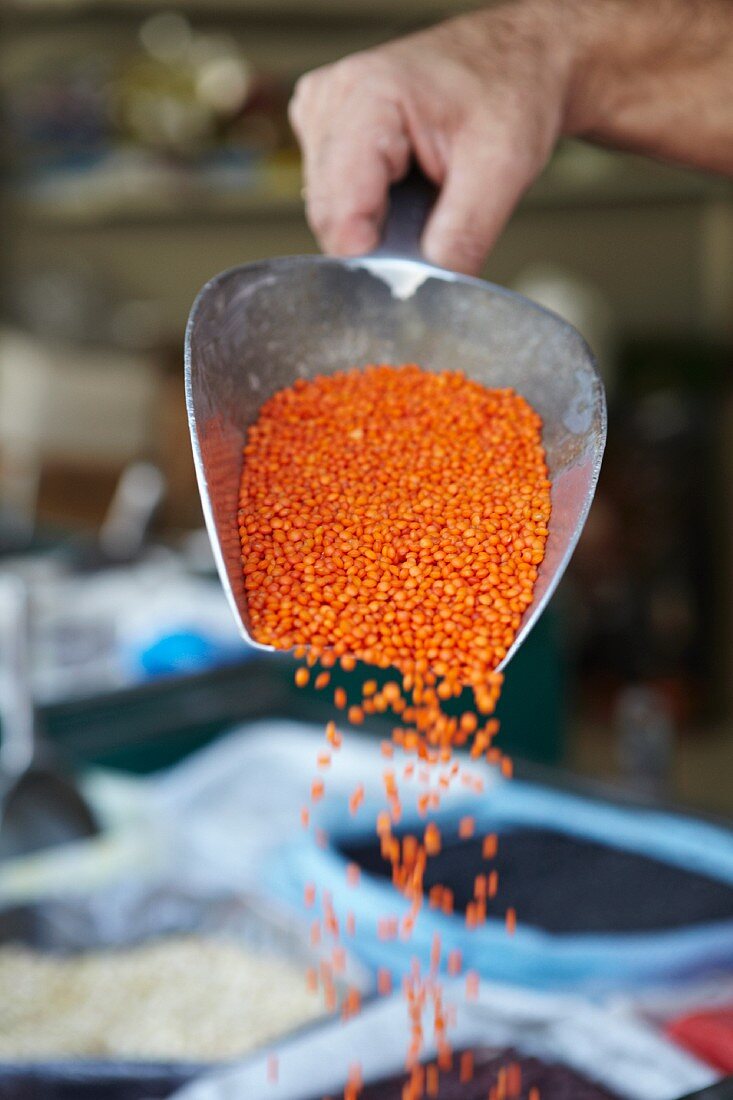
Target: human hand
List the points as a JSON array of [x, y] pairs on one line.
[[480, 101]]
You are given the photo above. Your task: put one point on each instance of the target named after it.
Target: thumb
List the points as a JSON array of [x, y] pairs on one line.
[[481, 188]]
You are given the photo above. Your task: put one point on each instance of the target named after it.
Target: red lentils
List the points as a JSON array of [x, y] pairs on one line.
[[514, 1079], [356, 799], [384, 982], [332, 735], [339, 698], [466, 1067], [375, 500], [490, 846], [399, 517], [317, 790]]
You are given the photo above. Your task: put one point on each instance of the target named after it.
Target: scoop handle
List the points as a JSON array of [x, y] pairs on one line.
[[410, 201]]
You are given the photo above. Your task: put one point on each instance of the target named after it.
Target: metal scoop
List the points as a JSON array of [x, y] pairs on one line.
[[257, 328]]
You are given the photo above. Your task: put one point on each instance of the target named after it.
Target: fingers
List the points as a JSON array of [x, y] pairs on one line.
[[484, 182], [354, 146], [358, 122]]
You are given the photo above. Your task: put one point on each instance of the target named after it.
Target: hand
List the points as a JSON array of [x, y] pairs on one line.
[[477, 100], [481, 100]]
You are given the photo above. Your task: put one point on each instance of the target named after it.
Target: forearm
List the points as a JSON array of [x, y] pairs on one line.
[[654, 76], [481, 100]]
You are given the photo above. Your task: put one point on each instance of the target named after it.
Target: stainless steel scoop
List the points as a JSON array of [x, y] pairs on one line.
[[257, 328]]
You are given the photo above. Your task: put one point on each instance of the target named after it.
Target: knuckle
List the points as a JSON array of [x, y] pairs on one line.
[[371, 68], [295, 109], [353, 69], [467, 244], [299, 99], [395, 150], [320, 216], [305, 84]]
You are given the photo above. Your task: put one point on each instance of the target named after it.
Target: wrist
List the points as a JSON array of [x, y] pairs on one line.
[[610, 39], [543, 30], [631, 57], [534, 44]]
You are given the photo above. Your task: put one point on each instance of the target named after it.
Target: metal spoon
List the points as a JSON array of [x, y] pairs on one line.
[[257, 328], [39, 806]]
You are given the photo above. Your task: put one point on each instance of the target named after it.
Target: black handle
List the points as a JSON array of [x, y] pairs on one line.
[[410, 201]]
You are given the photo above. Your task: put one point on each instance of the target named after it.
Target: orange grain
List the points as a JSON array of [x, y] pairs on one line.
[[490, 845], [465, 1067], [398, 517], [373, 499]]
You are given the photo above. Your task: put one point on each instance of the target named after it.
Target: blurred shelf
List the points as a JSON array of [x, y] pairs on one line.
[[581, 178], [160, 209], [274, 192], [583, 175], [408, 11]]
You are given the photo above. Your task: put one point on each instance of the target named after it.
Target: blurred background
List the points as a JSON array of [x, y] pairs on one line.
[[146, 147]]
